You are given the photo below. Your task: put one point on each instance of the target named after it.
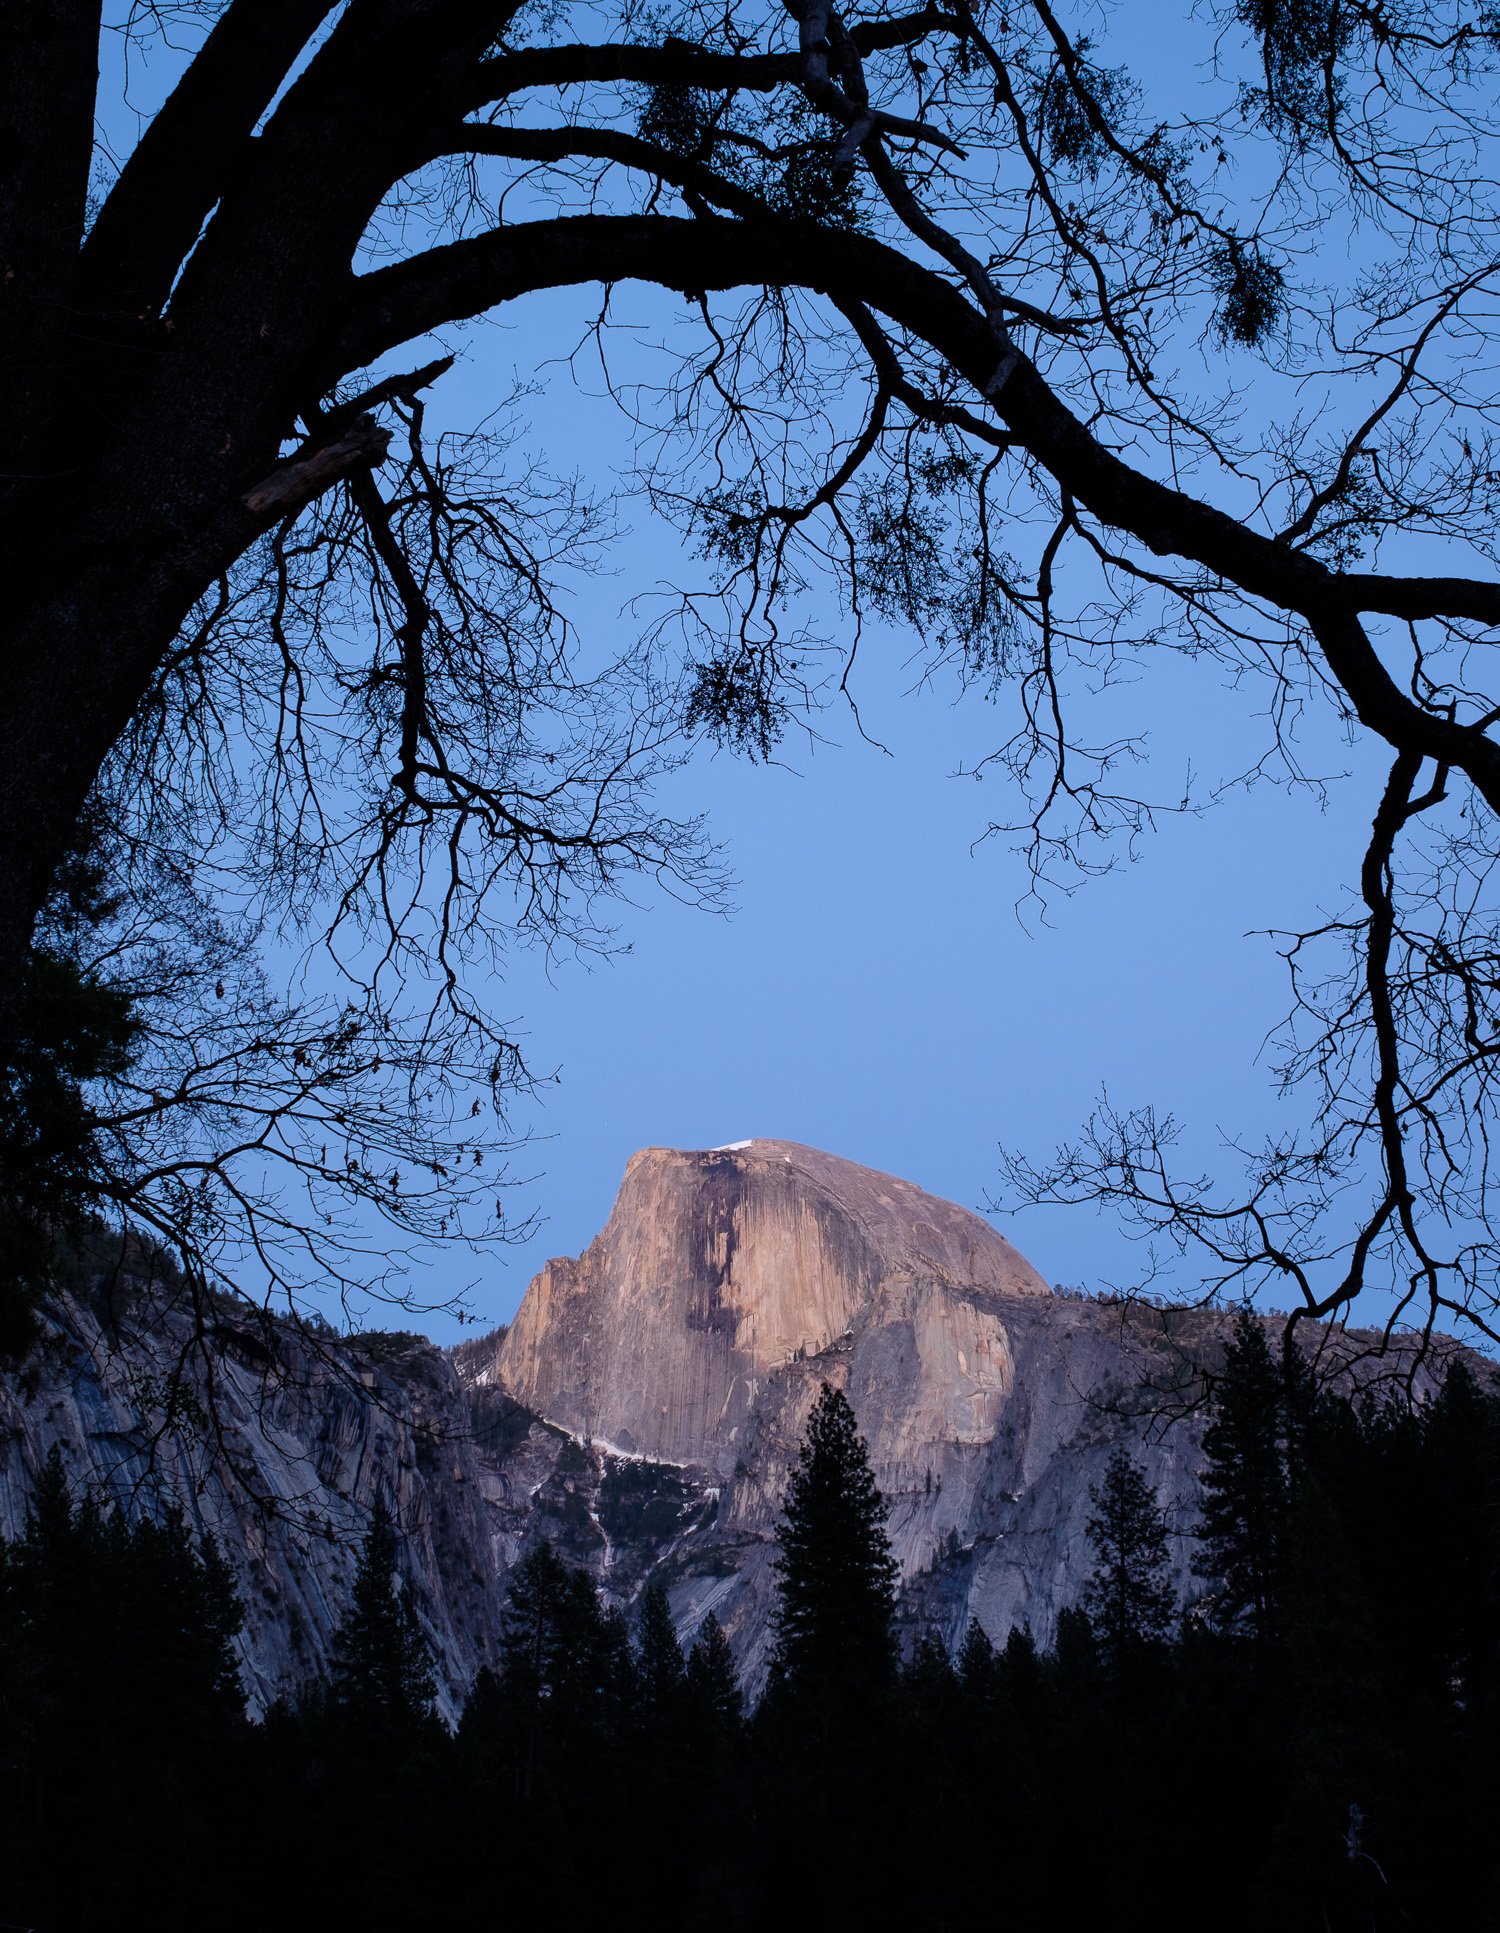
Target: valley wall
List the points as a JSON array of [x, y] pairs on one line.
[[641, 1413]]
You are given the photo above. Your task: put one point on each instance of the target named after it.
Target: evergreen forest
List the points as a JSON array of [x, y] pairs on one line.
[[1310, 1741]]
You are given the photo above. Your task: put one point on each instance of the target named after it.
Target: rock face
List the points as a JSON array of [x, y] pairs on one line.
[[729, 1284], [716, 1270], [279, 1444], [641, 1413]]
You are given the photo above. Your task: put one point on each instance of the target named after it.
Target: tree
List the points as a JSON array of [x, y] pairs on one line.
[[75, 1030], [1129, 1595], [836, 1578], [123, 1706], [1245, 1485], [978, 1667], [829, 1720], [1323, 1867], [1021, 1667], [265, 627], [712, 1684], [566, 1669], [660, 1667], [1458, 1534], [383, 1677], [929, 1684], [552, 1638]]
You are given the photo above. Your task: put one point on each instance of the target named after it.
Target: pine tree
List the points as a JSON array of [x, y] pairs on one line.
[[556, 1645], [711, 1683], [978, 1666], [50, 1518], [564, 1722], [535, 1626], [176, 1617], [835, 1622], [976, 1750], [1021, 1667], [1305, 1412], [1246, 1486], [382, 1664], [1461, 1463], [1129, 1596], [929, 1684], [660, 1662], [121, 1705], [567, 1672], [829, 1726], [61, 1567], [1339, 1714], [1074, 1661]]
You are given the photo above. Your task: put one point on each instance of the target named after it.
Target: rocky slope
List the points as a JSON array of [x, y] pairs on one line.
[[717, 1270], [641, 1413], [279, 1443], [728, 1285]]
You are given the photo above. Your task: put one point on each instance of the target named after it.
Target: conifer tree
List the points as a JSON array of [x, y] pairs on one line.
[[120, 1705], [660, 1661], [711, 1683], [1305, 1412], [176, 1616], [1129, 1596], [977, 1748], [1074, 1662], [1246, 1486], [50, 1518], [1338, 1713], [611, 1673], [557, 1644], [713, 1796], [1021, 1690], [830, 1720], [382, 1664], [978, 1666], [1461, 1559], [1021, 1667], [533, 1626], [835, 1621], [127, 1615], [567, 1675], [61, 1572], [545, 1627], [929, 1683], [481, 1723]]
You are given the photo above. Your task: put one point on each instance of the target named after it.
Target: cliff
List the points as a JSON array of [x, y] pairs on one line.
[[716, 1270], [695, 1332], [729, 1284], [641, 1413], [279, 1442]]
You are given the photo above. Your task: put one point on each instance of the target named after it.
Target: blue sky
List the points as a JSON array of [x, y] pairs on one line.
[[879, 990]]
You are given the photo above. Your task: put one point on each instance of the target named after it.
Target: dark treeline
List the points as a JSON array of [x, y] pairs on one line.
[[1313, 1741]]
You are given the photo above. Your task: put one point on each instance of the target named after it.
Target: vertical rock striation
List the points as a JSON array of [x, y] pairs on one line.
[[695, 1331], [641, 1413], [279, 1442], [719, 1268]]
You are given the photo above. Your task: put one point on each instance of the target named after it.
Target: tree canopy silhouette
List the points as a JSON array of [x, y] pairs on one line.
[[1064, 366], [383, 1679], [1246, 1486], [1344, 1771], [835, 1619], [1129, 1596]]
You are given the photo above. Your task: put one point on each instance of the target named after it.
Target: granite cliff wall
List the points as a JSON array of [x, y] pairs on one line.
[[718, 1269], [641, 1413], [280, 1444]]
